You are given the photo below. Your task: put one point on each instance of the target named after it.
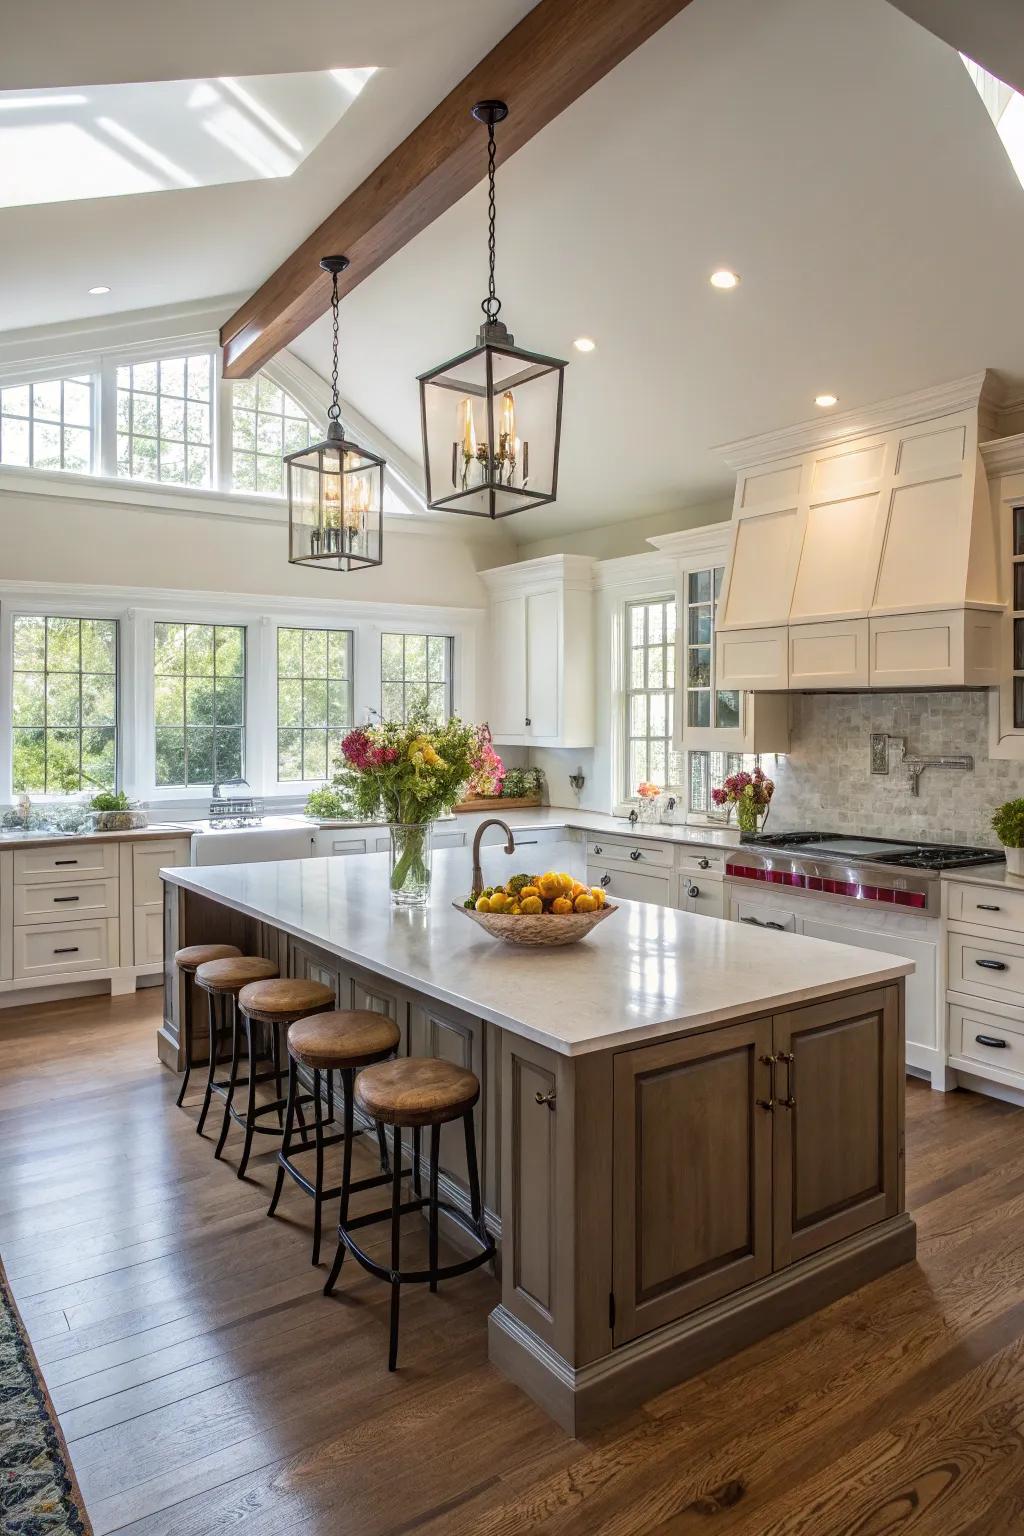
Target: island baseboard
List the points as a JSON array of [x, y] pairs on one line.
[[582, 1400]]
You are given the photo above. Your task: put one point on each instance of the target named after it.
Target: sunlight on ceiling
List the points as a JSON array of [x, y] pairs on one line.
[[113, 140], [1005, 107]]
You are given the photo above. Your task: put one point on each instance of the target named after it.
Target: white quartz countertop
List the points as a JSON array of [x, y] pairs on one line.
[[645, 972]]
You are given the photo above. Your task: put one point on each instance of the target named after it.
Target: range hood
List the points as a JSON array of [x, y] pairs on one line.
[[865, 551]]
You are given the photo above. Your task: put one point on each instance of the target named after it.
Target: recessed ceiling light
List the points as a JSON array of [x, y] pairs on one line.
[[584, 344], [723, 278], [826, 400], [100, 288]]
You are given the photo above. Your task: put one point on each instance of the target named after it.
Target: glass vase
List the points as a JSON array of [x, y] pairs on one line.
[[748, 816], [410, 862]]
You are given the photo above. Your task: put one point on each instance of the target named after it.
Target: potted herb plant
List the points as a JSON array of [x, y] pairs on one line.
[[116, 813], [1008, 824]]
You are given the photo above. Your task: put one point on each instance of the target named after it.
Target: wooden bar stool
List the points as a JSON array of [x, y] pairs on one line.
[[415, 1092], [188, 961], [341, 1041], [277, 1004], [222, 980]]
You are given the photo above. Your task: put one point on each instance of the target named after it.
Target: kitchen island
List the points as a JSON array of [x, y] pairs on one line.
[[691, 1130]]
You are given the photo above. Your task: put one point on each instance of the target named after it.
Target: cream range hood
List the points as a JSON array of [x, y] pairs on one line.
[[865, 551]]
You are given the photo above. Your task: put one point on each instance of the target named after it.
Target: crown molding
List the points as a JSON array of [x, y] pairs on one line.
[[975, 392], [636, 575], [709, 541], [575, 572], [1004, 455]]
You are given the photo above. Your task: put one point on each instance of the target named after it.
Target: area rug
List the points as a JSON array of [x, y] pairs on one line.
[[38, 1492]]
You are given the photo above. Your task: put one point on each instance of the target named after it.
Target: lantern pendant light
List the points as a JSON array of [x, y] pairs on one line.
[[492, 417], [335, 487]]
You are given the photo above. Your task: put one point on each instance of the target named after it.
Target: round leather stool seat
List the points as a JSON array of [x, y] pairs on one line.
[[417, 1090], [288, 997], [194, 955], [346, 1038], [234, 971]]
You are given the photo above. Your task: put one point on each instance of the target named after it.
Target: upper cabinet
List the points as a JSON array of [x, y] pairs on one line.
[[707, 715], [541, 652], [864, 552], [1004, 460]]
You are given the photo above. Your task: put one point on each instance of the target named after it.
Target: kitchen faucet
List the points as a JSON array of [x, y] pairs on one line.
[[510, 847]]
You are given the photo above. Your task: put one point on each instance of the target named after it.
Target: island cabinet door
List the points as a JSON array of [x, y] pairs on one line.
[[692, 1203], [837, 1120]]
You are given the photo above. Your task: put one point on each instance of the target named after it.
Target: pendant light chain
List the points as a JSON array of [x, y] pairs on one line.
[[334, 409], [491, 306]]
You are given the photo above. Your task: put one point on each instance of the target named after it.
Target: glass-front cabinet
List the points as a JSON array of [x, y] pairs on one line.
[[1004, 461], [708, 707]]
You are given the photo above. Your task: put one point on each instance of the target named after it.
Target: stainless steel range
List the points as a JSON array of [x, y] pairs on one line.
[[881, 870]]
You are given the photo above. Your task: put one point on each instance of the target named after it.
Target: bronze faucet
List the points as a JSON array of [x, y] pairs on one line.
[[510, 847]]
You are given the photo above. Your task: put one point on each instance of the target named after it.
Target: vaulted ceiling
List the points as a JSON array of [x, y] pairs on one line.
[[833, 152]]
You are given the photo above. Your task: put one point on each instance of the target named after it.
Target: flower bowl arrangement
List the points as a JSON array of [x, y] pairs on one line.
[[116, 813], [407, 774], [750, 793], [1008, 825]]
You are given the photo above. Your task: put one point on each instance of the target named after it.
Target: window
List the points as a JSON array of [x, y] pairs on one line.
[[650, 681], [708, 770], [48, 426], [164, 421], [265, 424], [706, 705], [416, 674], [314, 699], [199, 703], [64, 714]]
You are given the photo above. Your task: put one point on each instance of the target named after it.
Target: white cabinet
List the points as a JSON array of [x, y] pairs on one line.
[[623, 883], [541, 652], [701, 894]]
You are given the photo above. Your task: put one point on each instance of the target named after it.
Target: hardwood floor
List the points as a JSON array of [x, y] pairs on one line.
[[204, 1384]]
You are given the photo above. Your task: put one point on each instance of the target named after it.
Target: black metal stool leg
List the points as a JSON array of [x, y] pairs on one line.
[[278, 1079], [396, 1226], [207, 1096], [330, 1095], [250, 1108], [187, 1031], [382, 1143], [435, 1152], [475, 1203], [347, 1079], [232, 1075], [417, 1179], [286, 1140], [318, 1198]]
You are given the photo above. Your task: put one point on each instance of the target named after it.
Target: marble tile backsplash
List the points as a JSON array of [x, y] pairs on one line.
[[825, 782]]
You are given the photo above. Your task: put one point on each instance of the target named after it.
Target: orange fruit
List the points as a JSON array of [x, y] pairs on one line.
[[550, 885], [586, 902], [597, 891], [561, 905], [531, 904]]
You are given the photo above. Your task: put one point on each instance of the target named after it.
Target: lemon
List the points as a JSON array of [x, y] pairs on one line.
[[597, 891], [500, 902], [483, 903], [561, 905], [529, 893], [514, 910], [531, 904], [585, 902], [550, 885]]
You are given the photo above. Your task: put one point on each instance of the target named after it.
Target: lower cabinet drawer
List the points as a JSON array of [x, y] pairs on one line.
[[991, 906], [64, 861], [986, 967], [761, 914], [629, 886], [985, 1039], [46, 949], [640, 853], [58, 903]]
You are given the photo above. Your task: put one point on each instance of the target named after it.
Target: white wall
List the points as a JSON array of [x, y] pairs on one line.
[[106, 544], [628, 536]]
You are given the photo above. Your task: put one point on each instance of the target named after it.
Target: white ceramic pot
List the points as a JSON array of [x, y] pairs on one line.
[[1014, 861]]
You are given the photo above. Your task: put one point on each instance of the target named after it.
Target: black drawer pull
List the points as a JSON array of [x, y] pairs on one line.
[[635, 854], [65, 898], [986, 906], [998, 1045], [65, 861], [992, 965], [606, 880], [69, 949], [598, 849]]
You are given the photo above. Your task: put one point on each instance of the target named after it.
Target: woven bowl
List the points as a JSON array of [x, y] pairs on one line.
[[545, 930]]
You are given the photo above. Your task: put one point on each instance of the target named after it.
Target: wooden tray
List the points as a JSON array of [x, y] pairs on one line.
[[543, 930], [497, 803]]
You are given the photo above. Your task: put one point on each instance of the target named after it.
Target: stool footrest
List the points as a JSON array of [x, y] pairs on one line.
[[419, 1276]]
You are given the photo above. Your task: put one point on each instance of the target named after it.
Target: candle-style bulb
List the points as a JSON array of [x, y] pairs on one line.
[[466, 427], [507, 429]]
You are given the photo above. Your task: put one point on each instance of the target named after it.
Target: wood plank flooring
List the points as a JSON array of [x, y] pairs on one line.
[[205, 1386]]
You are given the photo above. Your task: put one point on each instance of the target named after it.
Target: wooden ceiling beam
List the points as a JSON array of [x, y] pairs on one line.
[[556, 53]]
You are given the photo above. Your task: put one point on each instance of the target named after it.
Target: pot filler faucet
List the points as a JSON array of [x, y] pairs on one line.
[[914, 766], [510, 847]]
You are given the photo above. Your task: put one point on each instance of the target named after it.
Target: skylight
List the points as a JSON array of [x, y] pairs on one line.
[[1005, 107], [113, 140]]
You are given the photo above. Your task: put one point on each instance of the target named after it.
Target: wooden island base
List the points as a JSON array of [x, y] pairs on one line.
[[658, 1206]]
